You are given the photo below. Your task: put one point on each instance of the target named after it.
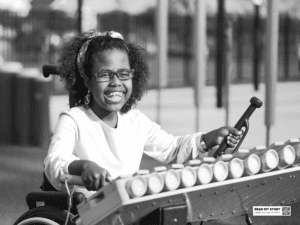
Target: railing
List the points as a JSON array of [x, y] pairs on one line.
[[35, 40]]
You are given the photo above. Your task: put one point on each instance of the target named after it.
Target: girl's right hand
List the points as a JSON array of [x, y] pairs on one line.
[[94, 177]]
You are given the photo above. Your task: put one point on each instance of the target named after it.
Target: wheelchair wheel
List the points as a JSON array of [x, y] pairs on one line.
[[44, 215]]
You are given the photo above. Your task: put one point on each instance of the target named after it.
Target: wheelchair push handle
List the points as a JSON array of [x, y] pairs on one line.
[[71, 179], [50, 69], [242, 122]]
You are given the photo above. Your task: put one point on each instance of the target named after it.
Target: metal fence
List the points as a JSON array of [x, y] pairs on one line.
[[35, 40], [141, 29]]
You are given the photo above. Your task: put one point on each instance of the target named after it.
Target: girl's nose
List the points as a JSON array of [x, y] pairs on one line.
[[115, 81]]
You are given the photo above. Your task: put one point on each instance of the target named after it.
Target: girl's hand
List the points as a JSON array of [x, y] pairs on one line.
[[215, 137], [94, 177]]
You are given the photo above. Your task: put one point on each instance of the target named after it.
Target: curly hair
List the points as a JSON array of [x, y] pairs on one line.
[[74, 83]]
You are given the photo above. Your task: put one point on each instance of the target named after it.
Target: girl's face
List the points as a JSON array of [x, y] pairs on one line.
[[110, 96]]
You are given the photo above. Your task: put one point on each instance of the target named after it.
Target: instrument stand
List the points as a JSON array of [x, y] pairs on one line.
[[248, 220], [169, 215]]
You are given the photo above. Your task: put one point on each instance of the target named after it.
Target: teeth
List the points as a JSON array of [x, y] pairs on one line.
[[115, 94]]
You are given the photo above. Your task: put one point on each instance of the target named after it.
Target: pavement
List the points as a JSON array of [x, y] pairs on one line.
[[21, 172]]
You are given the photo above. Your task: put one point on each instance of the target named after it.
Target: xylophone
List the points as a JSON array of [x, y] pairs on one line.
[[209, 188]]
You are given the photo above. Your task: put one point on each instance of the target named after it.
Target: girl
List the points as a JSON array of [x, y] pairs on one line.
[[101, 137]]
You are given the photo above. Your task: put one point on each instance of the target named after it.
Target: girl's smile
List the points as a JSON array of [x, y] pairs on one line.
[[114, 96]]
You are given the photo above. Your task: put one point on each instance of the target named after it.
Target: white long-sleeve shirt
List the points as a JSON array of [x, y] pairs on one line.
[[80, 134]]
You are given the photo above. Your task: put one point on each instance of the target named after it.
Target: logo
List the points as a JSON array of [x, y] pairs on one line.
[[272, 211]]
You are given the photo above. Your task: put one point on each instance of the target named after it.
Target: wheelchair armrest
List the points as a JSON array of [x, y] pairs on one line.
[[56, 199], [53, 198], [46, 185]]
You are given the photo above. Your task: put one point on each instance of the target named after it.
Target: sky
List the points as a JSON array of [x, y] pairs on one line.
[[100, 6], [103, 6], [20, 6], [139, 6]]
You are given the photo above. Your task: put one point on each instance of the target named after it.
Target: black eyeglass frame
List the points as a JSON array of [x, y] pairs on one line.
[[112, 73]]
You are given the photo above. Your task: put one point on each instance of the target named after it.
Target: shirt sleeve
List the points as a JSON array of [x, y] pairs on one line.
[[167, 148], [60, 152]]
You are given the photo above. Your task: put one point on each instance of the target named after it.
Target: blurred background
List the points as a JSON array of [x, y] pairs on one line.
[[32, 32]]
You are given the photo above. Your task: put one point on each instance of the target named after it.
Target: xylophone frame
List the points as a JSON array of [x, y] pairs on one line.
[[167, 215], [213, 201], [173, 214]]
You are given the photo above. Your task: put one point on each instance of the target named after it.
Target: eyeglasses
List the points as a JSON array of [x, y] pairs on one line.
[[108, 75]]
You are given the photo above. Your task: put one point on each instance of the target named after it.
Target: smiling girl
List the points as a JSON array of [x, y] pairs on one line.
[[100, 137]]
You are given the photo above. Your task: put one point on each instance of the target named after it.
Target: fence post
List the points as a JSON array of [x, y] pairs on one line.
[[79, 16], [188, 78], [21, 106], [271, 65], [200, 59], [256, 47], [8, 73], [40, 112], [162, 40], [220, 57], [286, 34], [239, 48]]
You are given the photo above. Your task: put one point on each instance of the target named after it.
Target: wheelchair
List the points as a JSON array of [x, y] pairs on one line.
[[51, 207]]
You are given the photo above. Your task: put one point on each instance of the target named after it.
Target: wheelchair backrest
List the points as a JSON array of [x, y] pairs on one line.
[[54, 70]]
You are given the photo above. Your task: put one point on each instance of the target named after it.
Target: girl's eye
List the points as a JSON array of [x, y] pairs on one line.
[[105, 74], [124, 73]]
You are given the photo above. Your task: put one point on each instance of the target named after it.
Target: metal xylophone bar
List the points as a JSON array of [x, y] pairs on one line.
[[229, 186], [257, 160]]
